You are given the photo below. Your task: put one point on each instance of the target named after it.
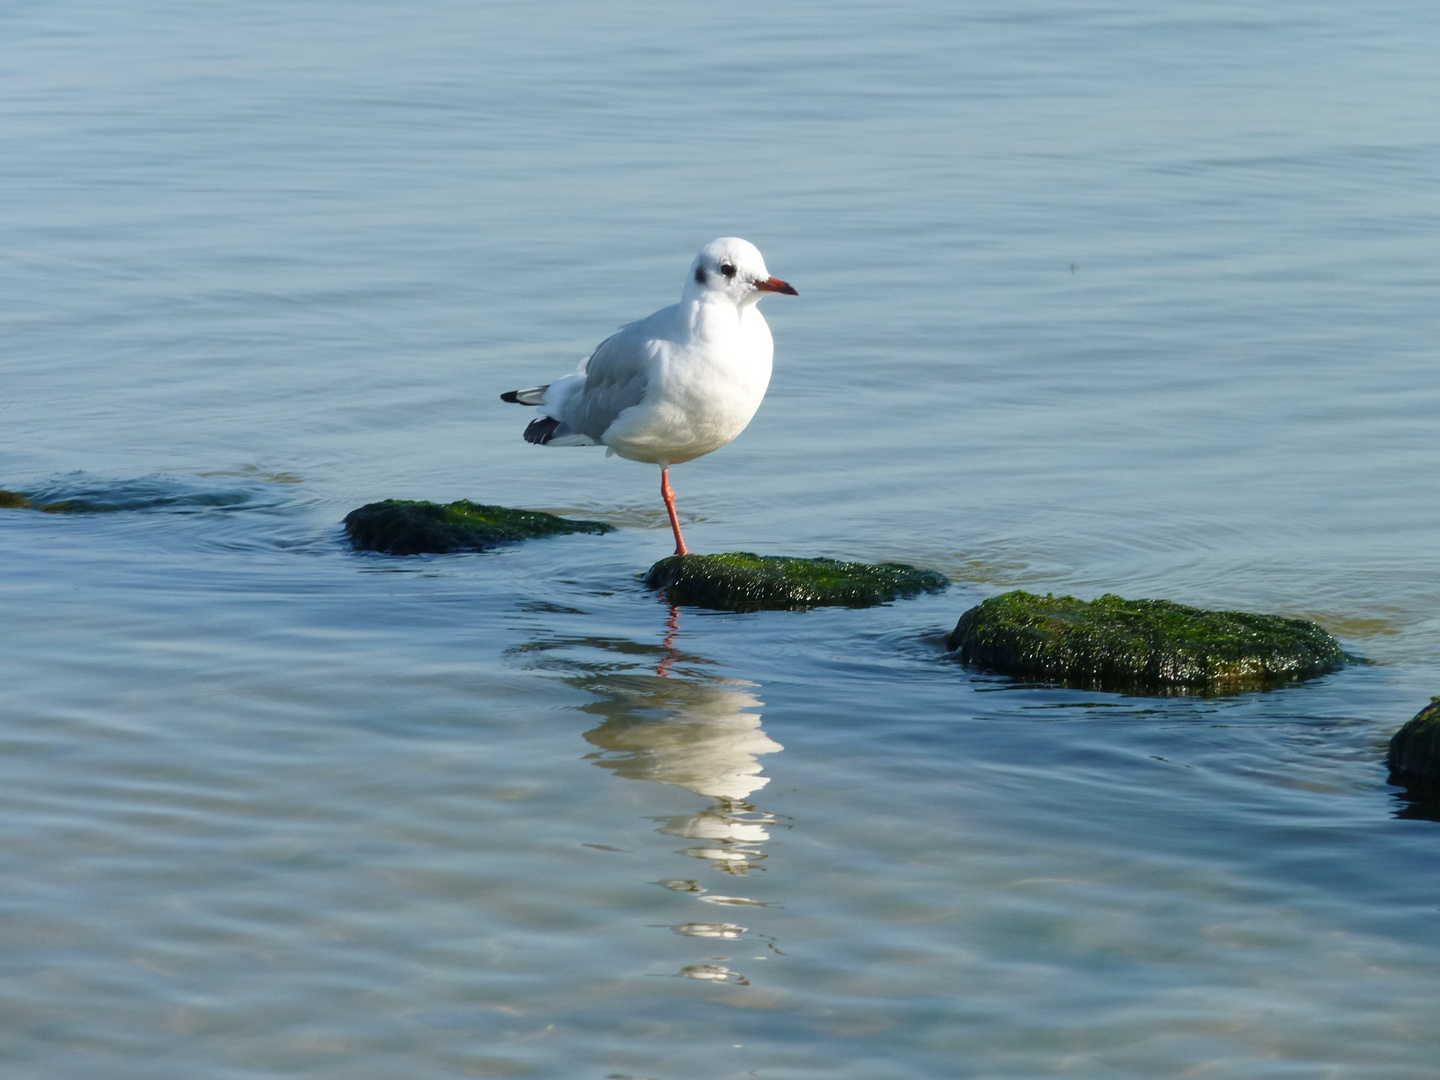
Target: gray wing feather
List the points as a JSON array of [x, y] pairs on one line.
[[616, 378]]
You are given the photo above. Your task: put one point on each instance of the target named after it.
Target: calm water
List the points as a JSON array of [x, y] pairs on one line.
[[1093, 297]]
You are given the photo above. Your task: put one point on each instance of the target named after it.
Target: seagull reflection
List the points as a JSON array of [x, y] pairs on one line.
[[666, 716], [703, 735], [714, 973]]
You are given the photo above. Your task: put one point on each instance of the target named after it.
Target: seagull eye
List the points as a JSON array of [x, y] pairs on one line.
[[728, 269]]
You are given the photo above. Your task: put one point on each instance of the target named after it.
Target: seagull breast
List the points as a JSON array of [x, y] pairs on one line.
[[704, 386]]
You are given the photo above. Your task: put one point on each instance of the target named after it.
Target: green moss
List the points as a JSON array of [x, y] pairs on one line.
[[78, 494], [1117, 644], [742, 581], [405, 527], [18, 500], [1415, 748]]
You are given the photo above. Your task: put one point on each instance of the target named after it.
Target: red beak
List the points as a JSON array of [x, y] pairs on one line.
[[774, 284]]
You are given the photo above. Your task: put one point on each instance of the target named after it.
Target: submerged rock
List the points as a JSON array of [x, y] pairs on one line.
[[742, 581], [406, 527], [82, 494], [1117, 644], [1415, 748], [19, 500]]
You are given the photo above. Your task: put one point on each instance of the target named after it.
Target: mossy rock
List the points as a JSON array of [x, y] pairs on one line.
[[78, 494], [406, 527], [18, 500], [1140, 645], [1415, 748], [742, 581]]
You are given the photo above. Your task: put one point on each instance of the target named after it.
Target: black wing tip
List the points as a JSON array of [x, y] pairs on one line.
[[512, 396], [541, 430]]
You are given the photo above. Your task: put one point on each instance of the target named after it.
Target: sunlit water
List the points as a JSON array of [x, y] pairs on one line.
[[1092, 298]]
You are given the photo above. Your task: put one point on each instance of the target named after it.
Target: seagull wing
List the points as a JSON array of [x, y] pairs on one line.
[[617, 377]]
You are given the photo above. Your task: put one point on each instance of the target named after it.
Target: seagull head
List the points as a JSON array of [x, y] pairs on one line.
[[734, 269]]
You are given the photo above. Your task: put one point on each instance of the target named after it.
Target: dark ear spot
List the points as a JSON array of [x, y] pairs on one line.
[[699, 276]]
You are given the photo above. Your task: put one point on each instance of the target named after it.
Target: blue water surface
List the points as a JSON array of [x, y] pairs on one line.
[[1119, 297]]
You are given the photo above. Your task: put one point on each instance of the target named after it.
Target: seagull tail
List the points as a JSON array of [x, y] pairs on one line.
[[534, 396]]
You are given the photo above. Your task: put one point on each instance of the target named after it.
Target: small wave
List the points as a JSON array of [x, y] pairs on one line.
[[82, 494], [247, 513]]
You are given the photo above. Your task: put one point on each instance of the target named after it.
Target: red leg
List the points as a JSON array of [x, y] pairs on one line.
[[672, 631], [669, 497]]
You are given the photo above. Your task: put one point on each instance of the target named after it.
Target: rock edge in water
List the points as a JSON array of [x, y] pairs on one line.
[[18, 500], [1415, 748], [1128, 645], [409, 527], [744, 581], [80, 494]]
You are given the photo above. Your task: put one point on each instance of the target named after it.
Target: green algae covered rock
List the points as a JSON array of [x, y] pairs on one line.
[[1140, 645], [18, 500], [1415, 748], [406, 527], [78, 493], [742, 581]]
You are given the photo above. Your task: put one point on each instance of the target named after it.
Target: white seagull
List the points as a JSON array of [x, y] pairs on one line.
[[676, 384]]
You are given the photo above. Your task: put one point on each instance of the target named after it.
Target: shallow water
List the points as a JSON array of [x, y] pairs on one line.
[[1092, 298]]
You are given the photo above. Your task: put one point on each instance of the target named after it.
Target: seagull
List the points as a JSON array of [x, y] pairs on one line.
[[676, 384]]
